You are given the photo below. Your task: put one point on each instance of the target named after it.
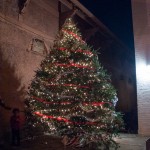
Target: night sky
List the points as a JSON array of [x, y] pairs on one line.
[[116, 15]]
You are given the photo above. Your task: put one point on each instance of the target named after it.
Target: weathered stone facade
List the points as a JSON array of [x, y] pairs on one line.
[[141, 25], [40, 19], [17, 61]]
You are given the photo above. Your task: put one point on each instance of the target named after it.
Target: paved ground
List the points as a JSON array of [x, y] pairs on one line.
[[127, 142], [132, 142]]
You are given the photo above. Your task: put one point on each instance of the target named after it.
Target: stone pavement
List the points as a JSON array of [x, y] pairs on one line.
[[126, 141], [132, 142]]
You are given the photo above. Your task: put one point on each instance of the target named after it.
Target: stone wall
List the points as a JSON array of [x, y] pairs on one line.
[[18, 62], [141, 17]]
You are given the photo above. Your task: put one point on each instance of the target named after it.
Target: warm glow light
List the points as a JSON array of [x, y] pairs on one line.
[[72, 93], [143, 72]]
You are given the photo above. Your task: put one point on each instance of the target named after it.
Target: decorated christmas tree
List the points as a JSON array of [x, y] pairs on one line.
[[72, 93]]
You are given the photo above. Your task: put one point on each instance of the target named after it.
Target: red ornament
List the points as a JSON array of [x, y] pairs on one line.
[[78, 50], [62, 119], [73, 65], [74, 35]]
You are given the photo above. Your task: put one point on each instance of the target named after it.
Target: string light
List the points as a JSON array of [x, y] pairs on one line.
[[72, 90]]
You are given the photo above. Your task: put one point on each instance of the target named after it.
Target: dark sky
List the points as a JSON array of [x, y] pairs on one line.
[[116, 15]]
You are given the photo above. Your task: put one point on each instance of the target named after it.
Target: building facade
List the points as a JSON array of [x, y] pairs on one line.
[[141, 26], [28, 28]]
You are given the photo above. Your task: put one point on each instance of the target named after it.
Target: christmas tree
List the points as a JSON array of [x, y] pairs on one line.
[[71, 91]]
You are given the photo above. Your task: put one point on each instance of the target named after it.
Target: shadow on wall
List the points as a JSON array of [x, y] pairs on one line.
[[10, 90]]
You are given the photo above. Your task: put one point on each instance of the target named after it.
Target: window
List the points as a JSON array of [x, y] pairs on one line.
[[38, 46], [21, 5]]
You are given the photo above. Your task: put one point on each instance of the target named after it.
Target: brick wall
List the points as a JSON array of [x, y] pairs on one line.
[[140, 9]]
